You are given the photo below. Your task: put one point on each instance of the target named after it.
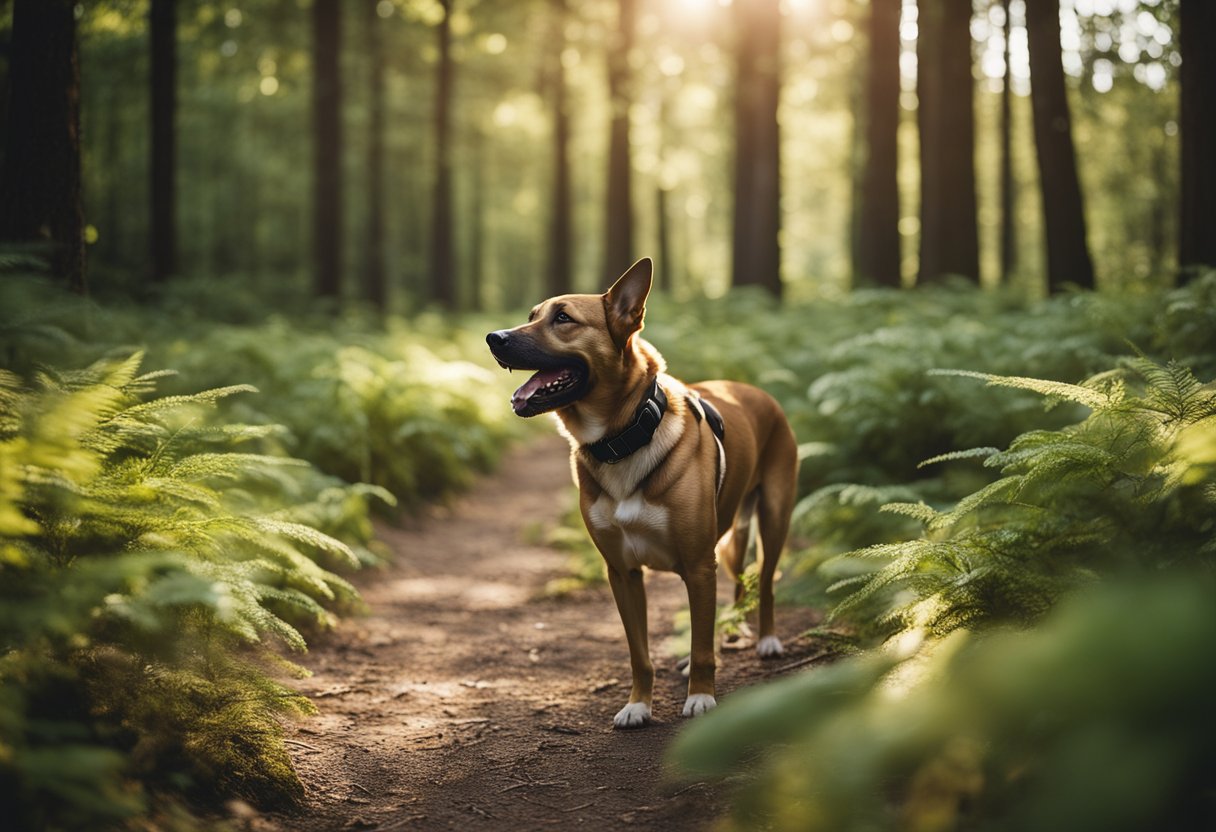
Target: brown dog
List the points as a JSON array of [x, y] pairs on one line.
[[661, 484]]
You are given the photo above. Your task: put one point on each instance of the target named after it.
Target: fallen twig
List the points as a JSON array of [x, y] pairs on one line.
[[525, 784], [399, 824], [562, 729], [785, 668]]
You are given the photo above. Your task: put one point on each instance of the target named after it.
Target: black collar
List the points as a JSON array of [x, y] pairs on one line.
[[612, 449]]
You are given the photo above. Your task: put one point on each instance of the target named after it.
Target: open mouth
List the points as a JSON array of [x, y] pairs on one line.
[[547, 389]]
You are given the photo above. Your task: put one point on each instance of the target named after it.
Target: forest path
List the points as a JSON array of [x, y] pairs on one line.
[[466, 699]]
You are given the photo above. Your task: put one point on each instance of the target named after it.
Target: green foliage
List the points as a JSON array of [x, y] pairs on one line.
[[1107, 494], [412, 407], [1048, 593], [151, 560], [1096, 721]]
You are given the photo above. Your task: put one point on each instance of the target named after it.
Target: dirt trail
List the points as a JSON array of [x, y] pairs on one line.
[[465, 700]]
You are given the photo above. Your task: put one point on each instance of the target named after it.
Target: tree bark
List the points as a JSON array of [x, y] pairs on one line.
[[1197, 218], [618, 232], [949, 238], [560, 262], [443, 254], [163, 29], [375, 284], [327, 127], [1063, 212], [475, 299], [878, 253], [756, 257], [664, 269], [40, 182], [1007, 196]]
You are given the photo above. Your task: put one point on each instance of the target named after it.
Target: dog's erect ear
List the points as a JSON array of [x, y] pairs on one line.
[[625, 302]]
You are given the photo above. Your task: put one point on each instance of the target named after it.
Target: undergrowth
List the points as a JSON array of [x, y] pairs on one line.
[[153, 562], [161, 548], [1044, 600], [412, 406]]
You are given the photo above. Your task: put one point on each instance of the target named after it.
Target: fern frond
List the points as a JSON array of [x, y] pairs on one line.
[[306, 535], [995, 492], [971, 453], [226, 465], [1093, 399], [159, 406], [917, 511]]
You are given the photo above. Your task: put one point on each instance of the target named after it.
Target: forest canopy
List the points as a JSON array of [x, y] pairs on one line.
[[490, 134]]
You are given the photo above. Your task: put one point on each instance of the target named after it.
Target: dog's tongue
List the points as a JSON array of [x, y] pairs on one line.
[[519, 399]]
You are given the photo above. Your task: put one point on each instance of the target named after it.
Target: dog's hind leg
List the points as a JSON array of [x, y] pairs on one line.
[[732, 548], [778, 488]]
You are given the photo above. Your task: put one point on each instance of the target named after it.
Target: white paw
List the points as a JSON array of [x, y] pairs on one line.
[[769, 647], [633, 715], [699, 703]]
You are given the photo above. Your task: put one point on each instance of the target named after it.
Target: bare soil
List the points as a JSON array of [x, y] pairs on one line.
[[466, 699]]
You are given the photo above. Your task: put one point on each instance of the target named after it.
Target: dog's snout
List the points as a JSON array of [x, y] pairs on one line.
[[498, 339]]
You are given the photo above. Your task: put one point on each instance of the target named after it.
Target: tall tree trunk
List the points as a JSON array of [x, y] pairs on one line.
[[163, 26], [878, 246], [949, 239], [375, 285], [756, 257], [618, 236], [40, 182], [477, 222], [1159, 209], [443, 254], [1063, 212], [111, 245], [327, 128], [560, 261], [1008, 196], [1197, 219], [664, 269]]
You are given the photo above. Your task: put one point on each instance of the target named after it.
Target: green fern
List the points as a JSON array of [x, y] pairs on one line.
[[146, 570], [1093, 498]]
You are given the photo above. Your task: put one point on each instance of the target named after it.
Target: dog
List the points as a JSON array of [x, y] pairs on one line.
[[670, 475]]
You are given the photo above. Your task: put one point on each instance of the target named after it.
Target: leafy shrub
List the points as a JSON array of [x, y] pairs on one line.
[[411, 406], [1112, 521], [1104, 495], [1097, 721], [151, 561]]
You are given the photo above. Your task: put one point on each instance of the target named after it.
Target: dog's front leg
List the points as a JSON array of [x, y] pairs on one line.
[[702, 584], [629, 590]]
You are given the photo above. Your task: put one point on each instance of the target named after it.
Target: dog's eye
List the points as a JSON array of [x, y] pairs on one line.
[[562, 318]]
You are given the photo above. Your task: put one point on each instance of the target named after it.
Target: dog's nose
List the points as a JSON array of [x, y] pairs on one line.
[[497, 339]]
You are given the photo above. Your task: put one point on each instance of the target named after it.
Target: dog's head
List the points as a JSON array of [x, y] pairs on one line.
[[573, 341]]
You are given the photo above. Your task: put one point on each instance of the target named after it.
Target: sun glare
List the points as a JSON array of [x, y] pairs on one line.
[[695, 7]]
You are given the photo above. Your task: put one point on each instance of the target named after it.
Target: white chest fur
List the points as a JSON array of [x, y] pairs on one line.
[[638, 526]]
